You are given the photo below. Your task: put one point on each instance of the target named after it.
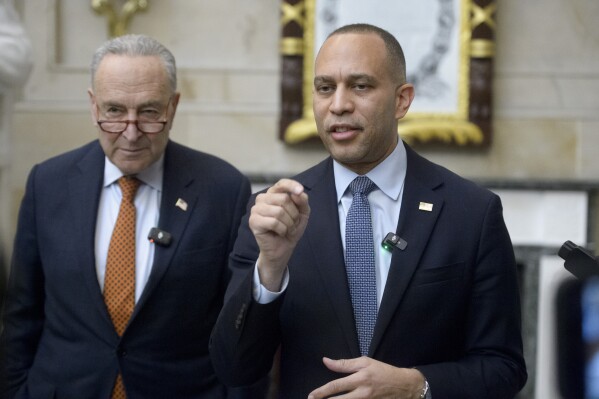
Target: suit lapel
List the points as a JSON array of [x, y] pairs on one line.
[[85, 185], [415, 226], [177, 184], [327, 250]]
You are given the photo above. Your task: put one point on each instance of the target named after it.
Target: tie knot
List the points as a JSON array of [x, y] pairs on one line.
[[361, 185], [129, 186]]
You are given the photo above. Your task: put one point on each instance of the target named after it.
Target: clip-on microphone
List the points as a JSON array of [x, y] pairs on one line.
[[392, 240], [159, 237]]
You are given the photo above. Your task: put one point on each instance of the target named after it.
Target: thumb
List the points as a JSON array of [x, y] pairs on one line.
[[344, 365]]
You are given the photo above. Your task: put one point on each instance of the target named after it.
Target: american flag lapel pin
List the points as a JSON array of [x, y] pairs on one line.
[[181, 204], [426, 206]]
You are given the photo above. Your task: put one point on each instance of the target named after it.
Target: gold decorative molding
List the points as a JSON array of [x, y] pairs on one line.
[[483, 15], [305, 127], [482, 48], [292, 46], [461, 132], [301, 130], [118, 23], [292, 12]]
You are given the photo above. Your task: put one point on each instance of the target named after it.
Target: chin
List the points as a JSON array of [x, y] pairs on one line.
[[130, 169]]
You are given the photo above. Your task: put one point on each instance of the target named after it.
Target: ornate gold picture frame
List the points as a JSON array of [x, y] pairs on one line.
[[452, 63]]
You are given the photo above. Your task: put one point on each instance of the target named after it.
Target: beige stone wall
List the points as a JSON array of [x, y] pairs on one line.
[[546, 87], [547, 90], [546, 93]]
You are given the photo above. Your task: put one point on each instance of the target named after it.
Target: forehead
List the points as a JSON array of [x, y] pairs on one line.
[[350, 53], [122, 74]]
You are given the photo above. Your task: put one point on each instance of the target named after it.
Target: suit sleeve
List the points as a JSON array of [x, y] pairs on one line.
[[493, 366], [244, 193], [247, 334], [24, 307]]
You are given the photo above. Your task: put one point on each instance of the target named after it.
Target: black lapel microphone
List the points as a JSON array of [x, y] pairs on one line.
[[392, 241], [159, 237]]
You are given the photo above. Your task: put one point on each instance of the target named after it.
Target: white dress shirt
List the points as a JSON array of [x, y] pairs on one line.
[[385, 203], [147, 204]]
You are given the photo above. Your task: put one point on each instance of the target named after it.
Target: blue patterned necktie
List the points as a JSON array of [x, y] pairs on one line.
[[359, 261]]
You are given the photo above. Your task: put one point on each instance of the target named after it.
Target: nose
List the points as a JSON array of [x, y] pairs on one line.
[[341, 101], [131, 133]]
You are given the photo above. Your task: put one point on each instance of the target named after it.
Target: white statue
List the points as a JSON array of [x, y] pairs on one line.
[[15, 66]]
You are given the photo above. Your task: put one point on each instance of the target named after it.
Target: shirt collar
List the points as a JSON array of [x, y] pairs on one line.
[[389, 175], [152, 175]]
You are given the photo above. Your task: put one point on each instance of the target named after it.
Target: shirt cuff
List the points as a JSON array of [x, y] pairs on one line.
[[261, 294]]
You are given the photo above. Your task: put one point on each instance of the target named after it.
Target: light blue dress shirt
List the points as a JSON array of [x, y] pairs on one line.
[[147, 204], [385, 204]]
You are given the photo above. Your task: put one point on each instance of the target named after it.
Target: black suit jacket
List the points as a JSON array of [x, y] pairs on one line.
[[450, 305], [59, 339]]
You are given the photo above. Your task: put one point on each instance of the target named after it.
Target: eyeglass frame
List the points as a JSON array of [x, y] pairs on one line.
[[135, 122]]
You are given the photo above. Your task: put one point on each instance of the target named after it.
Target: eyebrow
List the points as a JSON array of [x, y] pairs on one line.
[[362, 76], [151, 103], [322, 79], [352, 78]]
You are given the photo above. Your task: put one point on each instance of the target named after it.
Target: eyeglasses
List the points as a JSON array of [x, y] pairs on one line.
[[143, 125]]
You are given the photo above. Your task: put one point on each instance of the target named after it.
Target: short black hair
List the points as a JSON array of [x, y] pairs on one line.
[[396, 58]]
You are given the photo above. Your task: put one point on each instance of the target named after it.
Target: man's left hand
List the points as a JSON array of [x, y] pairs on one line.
[[369, 378]]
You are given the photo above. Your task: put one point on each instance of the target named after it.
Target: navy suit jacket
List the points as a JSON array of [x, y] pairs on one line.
[[59, 339], [450, 305]]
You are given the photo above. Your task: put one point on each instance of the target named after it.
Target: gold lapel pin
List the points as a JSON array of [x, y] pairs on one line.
[[181, 204], [425, 206]]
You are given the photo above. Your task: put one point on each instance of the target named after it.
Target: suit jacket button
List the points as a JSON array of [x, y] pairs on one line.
[[121, 352]]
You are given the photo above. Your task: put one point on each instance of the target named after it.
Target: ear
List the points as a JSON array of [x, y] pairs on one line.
[[404, 95], [93, 106], [175, 102]]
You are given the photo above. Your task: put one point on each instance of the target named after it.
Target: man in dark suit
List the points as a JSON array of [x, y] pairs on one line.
[[447, 316], [60, 336]]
